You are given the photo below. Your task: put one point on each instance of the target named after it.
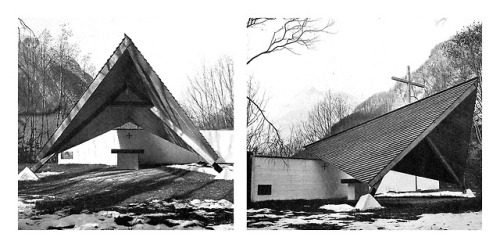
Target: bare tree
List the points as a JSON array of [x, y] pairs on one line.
[[210, 100], [294, 32], [295, 141], [254, 22], [49, 82], [323, 116], [87, 68], [65, 53], [262, 136]]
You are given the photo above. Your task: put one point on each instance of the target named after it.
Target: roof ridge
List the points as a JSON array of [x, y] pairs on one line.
[[405, 106], [133, 46], [84, 92]]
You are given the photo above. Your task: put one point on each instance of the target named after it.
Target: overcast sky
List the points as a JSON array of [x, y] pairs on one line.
[[358, 59], [175, 47], [343, 68]]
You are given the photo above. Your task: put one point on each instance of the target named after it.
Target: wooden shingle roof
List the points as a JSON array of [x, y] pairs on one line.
[[428, 138]]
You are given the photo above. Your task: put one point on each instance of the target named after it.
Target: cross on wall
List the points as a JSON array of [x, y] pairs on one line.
[[129, 135]]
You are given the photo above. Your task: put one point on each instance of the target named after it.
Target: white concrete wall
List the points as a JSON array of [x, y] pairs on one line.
[[94, 151], [222, 142], [156, 149], [401, 182], [297, 179]]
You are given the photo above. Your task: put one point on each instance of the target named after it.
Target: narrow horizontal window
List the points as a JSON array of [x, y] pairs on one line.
[[67, 155], [263, 189]]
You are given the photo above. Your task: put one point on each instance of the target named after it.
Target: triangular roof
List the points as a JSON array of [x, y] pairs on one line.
[[427, 138], [127, 89]]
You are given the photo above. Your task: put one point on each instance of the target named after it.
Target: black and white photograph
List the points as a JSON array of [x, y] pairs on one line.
[[249, 124], [380, 127], [123, 127]]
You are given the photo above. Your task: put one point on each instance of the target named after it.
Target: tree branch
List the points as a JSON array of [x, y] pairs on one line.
[[295, 31]]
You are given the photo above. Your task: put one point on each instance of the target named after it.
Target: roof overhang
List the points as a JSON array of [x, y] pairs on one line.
[[427, 138], [127, 89]]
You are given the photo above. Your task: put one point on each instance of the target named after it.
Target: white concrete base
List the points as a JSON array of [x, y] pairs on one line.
[[128, 161], [367, 202], [469, 193], [225, 174], [27, 175], [351, 192], [395, 181]]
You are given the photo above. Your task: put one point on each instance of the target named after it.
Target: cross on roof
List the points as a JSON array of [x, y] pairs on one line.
[[409, 82]]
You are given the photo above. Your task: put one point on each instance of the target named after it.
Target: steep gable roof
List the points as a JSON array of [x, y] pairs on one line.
[[127, 89], [426, 138]]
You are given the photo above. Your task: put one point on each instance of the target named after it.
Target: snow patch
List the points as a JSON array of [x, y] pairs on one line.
[[48, 173], [195, 167], [223, 227], [211, 204], [262, 210], [467, 194], [225, 174], [338, 208]]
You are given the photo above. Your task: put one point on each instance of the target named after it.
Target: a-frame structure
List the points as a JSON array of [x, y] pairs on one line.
[[126, 90], [427, 138]]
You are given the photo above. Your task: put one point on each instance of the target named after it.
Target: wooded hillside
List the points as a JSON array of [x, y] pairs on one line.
[[52, 76], [450, 62]]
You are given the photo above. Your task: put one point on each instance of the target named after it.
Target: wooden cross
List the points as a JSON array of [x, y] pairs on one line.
[[128, 135], [410, 83], [324, 166]]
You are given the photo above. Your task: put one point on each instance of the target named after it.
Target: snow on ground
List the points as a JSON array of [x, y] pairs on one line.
[[48, 173], [28, 219], [338, 208], [295, 222], [261, 210], [468, 194], [441, 221], [226, 173], [211, 204], [279, 220], [196, 167]]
